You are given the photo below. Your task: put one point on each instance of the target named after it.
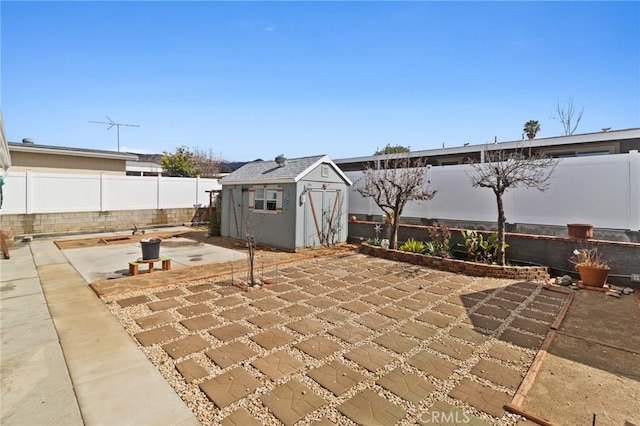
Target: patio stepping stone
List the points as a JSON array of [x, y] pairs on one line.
[[266, 320], [138, 300], [272, 338], [269, 304], [520, 339], [336, 377], [186, 346], [492, 311], [157, 335], [296, 311], [235, 314], [438, 289], [199, 323], [478, 321], [463, 301], [419, 331], [498, 374], [452, 348], [351, 278], [200, 297], [356, 306], [514, 297], [191, 370], [318, 347], [396, 342], [449, 309], [333, 283], [425, 297], [229, 387], [226, 356], [369, 357], [229, 301], [530, 326], [506, 304], [395, 313], [169, 293], [163, 305], [377, 283], [413, 304], [550, 309], [154, 320], [361, 289], [506, 353], [200, 287], [256, 295], [368, 408], [481, 397], [376, 299], [294, 296], [292, 401], [335, 316], [435, 319], [240, 417], [302, 282], [322, 302], [227, 288], [373, 321], [407, 386], [432, 364], [306, 326], [316, 290], [393, 293], [229, 332], [445, 414], [350, 333], [277, 365], [282, 288], [467, 333], [547, 317], [192, 310], [343, 295]]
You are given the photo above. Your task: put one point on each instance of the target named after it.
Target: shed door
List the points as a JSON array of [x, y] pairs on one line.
[[322, 217]]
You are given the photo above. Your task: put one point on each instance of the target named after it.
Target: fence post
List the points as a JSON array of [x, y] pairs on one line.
[[428, 178], [103, 192], [28, 201], [159, 192], [634, 190], [197, 190]]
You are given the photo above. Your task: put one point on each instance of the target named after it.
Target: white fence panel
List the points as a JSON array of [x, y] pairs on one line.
[[177, 192], [130, 192], [14, 193], [56, 192]]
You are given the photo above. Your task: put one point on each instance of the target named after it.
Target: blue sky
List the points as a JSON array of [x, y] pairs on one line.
[[247, 80]]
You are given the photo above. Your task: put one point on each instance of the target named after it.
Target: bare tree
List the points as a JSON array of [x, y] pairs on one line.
[[208, 164], [566, 116], [392, 183], [504, 170]]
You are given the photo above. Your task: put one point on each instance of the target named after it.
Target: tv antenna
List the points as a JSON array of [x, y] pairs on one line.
[[112, 123]]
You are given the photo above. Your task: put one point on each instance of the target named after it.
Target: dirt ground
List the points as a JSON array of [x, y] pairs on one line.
[[593, 364]]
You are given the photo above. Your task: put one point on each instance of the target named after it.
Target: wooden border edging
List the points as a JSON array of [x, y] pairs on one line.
[[529, 416]]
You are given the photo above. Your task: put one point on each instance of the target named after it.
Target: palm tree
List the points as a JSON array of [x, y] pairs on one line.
[[531, 128]]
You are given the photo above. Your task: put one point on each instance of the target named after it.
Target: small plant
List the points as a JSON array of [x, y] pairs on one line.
[[480, 249], [440, 244], [588, 257], [373, 241], [413, 246]]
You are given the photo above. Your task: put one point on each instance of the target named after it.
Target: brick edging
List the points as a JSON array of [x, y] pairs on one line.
[[529, 273]]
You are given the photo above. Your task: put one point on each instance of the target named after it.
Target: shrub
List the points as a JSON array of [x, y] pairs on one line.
[[480, 249], [413, 246], [440, 244], [373, 241]]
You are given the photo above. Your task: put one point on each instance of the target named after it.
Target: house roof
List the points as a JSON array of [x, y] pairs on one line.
[[583, 138], [293, 170], [75, 152]]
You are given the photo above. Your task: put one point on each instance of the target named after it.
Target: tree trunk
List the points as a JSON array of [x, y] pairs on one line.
[[501, 225], [395, 224]]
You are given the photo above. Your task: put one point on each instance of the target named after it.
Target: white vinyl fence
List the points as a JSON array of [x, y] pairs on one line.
[[602, 190], [33, 192]]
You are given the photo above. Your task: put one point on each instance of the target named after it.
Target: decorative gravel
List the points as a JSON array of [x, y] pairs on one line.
[[408, 300]]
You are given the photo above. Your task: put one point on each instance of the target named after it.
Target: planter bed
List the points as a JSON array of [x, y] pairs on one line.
[[529, 273]]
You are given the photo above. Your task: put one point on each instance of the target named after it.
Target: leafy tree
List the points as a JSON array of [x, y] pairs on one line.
[[531, 128], [566, 114], [396, 182], [182, 163], [396, 149], [504, 170]]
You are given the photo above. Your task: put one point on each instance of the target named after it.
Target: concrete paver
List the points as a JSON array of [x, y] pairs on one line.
[[292, 401], [368, 407]]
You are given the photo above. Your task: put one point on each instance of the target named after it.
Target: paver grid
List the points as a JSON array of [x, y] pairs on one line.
[[364, 339]]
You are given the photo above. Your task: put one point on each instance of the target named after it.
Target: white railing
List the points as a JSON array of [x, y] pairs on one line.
[[33, 192], [601, 190]]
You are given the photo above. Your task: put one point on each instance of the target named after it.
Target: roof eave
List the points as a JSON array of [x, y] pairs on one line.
[[72, 152]]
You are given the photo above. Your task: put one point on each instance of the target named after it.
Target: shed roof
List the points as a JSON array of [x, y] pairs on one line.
[[293, 170]]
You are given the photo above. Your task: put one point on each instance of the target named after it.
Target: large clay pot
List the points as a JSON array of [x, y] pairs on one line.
[[593, 277], [581, 231]]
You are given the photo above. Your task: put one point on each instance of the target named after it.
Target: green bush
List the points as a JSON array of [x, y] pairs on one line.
[[373, 241], [413, 246], [440, 244], [480, 249], [215, 221]]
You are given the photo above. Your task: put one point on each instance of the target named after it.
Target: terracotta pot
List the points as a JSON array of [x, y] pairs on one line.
[[581, 231], [593, 277], [354, 219]]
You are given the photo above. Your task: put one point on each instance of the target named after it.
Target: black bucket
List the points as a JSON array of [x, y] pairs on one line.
[[151, 249]]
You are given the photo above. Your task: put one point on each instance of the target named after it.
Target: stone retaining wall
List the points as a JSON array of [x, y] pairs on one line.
[[108, 221], [526, 273]]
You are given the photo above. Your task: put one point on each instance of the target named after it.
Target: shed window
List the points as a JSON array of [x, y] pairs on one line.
[[266, 199], [324, 171]]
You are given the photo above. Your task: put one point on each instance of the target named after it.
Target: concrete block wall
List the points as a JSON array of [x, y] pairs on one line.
[[60, 223]]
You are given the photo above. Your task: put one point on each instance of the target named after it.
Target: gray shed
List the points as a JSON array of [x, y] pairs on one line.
[[287, 203]]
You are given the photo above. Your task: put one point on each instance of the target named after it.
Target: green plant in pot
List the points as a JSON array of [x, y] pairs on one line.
[[593, 269]]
